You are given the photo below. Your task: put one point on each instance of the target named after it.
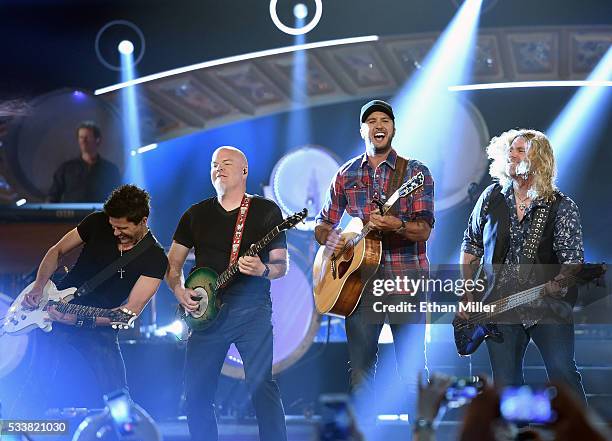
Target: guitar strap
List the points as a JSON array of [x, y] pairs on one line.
[[530, 248], [111, 269], [239, 228], [401, 164]]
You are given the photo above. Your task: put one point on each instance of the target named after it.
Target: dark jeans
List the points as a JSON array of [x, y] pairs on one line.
[[556, 345], [99, 349], [409, 346], [250, 329]]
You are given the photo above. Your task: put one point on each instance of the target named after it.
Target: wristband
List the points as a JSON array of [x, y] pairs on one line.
[[423, 424], [266, 271]]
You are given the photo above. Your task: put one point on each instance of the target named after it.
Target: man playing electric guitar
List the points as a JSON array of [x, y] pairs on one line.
[[404, 232], [221, 228], [107, 236], [503, 231]]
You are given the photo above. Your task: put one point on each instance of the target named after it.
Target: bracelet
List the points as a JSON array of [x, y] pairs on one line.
[[423, 424]]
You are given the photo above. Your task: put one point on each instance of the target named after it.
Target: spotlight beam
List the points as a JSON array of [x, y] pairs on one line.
[[236, 58]]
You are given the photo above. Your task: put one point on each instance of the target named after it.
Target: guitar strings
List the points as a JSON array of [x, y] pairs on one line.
[[504, 302]]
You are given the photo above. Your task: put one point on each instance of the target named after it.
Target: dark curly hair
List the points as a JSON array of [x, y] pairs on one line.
[[128, 201]]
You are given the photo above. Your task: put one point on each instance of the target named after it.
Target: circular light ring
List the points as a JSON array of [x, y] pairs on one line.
[[297, 31], [130, 25]]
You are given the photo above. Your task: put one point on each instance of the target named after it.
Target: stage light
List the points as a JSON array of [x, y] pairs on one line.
[[177, 328], [146, 148], [297, 30], [581, 119], [527, 84], [126, 47], [300, 11], [20, 202], [78, 95], [123, 35]]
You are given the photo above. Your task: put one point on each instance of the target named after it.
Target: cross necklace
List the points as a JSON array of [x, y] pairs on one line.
[[121, 270]]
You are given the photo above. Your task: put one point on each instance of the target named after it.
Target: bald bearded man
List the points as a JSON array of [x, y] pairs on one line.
[[208, 227]]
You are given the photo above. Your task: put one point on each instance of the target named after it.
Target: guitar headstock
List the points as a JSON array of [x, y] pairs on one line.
[[411, 185], [122, 318], [293, 220]]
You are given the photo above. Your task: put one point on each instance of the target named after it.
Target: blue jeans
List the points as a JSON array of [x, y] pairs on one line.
[[250, 329], [556, 345], [410, 358]]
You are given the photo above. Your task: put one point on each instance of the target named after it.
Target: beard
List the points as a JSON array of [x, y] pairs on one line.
[[520, 170]]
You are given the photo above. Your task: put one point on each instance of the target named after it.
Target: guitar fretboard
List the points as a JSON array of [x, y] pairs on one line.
[[252, 251], [521, 298], [70, 308]]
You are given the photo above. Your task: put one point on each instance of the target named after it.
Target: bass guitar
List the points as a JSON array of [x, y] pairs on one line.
[[470, 333], [21, 319], [206, 282], [339, 279]]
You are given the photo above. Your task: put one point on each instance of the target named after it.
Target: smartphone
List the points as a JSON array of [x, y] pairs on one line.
[[336, 418], [119, 404], [526, 404], [462, 391]]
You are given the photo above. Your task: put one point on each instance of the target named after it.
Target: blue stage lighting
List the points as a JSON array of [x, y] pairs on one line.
[[300, 11], [126, 47], [579, 122], [131, 123]]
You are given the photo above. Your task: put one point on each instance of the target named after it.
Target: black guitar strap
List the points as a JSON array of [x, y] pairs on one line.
[[86, 288], [530, 247]]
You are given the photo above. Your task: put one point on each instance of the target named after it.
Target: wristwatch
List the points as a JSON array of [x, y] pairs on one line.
[[266, 271], [400, 229]]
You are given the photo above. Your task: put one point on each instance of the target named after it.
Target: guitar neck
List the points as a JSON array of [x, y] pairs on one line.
[[252, 251], [87, 311], [367, 228], [522, 298]]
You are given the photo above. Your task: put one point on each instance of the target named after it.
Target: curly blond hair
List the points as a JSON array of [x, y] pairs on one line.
[[540, 160]]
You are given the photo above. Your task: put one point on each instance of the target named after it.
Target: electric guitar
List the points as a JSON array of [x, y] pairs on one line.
[[21, 319], [206, 282], [470, 333], [339, 279]]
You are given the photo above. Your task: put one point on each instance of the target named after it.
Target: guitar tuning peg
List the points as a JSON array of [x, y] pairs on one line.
[[114, 326]]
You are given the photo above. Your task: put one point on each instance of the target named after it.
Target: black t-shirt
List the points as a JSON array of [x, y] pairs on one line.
[[99, 251], [77, 181], [208, 228]]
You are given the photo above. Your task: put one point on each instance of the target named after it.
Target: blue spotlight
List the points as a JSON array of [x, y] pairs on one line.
[[427, 114], [579, 122], [126, 47], [131, 123], [300, 11]]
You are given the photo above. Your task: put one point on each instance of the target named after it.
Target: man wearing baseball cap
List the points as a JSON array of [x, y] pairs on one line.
[[404, 230]]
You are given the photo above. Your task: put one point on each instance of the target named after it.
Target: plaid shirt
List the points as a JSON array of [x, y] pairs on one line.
[[354, 187]]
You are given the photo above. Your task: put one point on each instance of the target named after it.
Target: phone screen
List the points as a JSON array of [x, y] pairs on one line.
[[120, 406], [528, 405], [336, 422], [462, 391]]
